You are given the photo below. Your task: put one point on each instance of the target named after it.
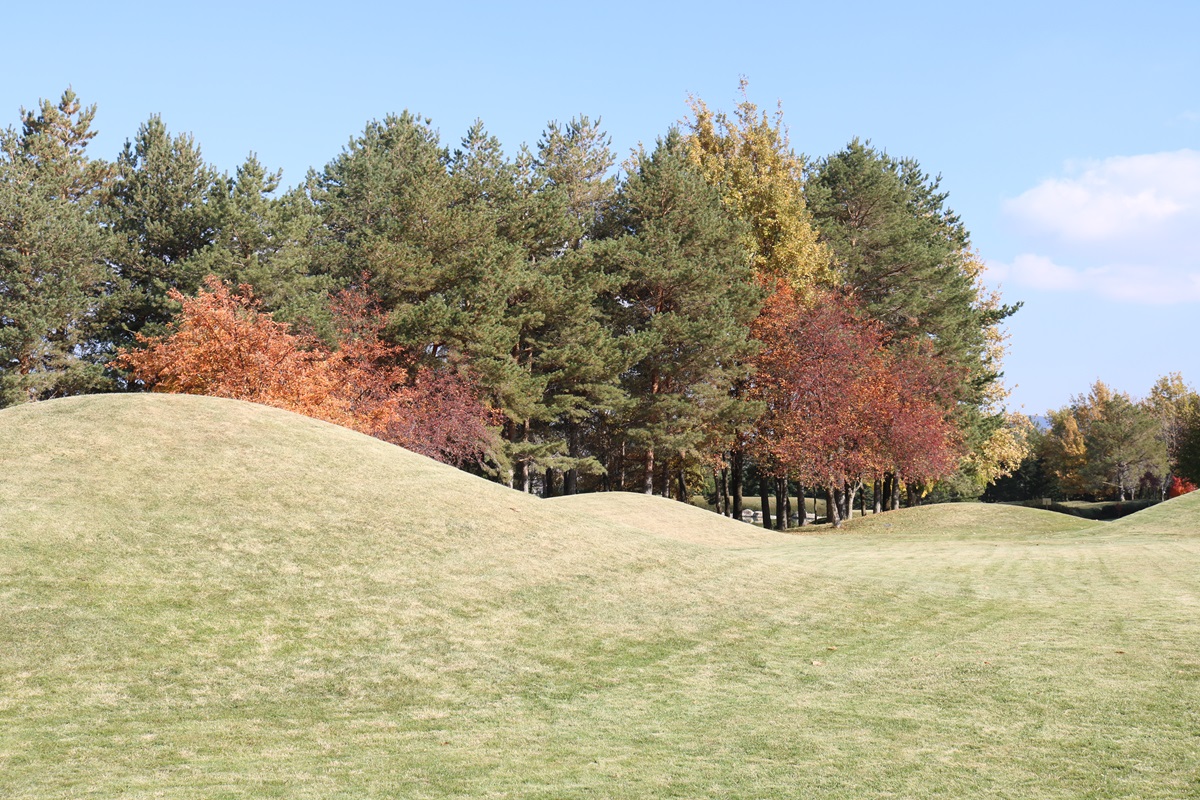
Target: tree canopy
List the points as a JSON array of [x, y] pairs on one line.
[[719, 304]]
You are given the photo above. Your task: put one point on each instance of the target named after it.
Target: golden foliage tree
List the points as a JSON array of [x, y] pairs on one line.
[[749, 158]]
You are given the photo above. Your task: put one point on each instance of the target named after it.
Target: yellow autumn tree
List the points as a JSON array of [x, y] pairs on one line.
[[749, 158], [1065, 452]]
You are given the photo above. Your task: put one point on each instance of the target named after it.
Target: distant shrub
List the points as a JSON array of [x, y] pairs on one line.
[[1180, 486]]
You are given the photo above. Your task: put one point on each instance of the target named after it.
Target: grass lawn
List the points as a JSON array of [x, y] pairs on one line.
[[203, 598]]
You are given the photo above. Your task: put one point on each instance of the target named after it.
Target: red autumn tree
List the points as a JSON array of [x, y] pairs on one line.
[[222, 344], [918, 438], [841, 405]]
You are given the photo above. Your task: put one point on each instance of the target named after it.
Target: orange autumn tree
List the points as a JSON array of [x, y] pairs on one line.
[[222, 344]]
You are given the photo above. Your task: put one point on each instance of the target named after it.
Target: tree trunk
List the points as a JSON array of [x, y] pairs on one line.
[[735, 468], [848, 501], [510, 434], [781, 515], [682, 482], [648, 478], [876, 496], [571, 476], [803, 518], [911, 491], [723, 497], [832, 501], [895, 495], [548, 488], [524, 473], [764, 493], [621, 467], [525, 464], [719, 483]]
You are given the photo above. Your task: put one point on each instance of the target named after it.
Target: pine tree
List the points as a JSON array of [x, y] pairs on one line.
[[261, 240], [682, 302], [1122, 441], [163, 209], [1102, 443], [571, 347], [427, 230], [574, 161], [53, 276]]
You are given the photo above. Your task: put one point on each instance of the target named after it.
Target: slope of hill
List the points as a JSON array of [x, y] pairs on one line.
[[1179, 516], [203, 598], [659, 516]]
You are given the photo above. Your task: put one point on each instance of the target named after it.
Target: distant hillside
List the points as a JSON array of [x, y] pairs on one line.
[[205, 598]]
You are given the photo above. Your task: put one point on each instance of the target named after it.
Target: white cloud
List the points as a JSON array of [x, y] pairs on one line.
[[1039, 272], [1126, 228], [1143, 284], [1122, 199]]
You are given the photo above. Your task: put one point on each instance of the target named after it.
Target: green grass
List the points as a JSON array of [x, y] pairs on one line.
[[202, 598]]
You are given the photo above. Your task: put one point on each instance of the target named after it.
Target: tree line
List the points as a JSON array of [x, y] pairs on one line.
[[1105, 445], [717, 313]]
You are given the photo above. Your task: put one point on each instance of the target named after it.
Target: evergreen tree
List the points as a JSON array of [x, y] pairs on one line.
[[428, 230], [1122, 441], [163, 209], [574, 161], [1102, 443], [53, 276], [501, 192], [571, 347], [683, 299], [896, 246], [390, 208], [262, 240]]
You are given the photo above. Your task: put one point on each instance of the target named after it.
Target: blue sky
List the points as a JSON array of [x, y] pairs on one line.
[[1068, 134]]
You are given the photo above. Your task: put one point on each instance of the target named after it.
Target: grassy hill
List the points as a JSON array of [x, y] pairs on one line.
[[203, 598]]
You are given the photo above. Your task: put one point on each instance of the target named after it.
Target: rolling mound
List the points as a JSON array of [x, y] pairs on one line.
[[660, 516], [204, 598], [970, 520]]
